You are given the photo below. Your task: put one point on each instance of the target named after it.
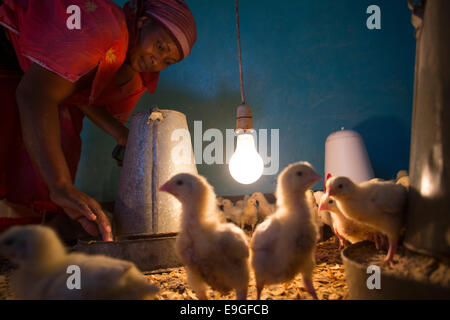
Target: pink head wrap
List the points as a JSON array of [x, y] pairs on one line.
[[174, 15]]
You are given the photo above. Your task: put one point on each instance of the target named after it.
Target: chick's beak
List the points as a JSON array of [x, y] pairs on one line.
[[322, 207], [316, 178], [165, 188]]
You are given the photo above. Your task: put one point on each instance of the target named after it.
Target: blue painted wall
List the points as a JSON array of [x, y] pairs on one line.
[[310, 67]]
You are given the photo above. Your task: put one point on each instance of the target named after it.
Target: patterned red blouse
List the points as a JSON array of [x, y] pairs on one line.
[[39, 34]]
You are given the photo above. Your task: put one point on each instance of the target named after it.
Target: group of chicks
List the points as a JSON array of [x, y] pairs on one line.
[[219, 255], [250, 211], [373, 210], [216, 253]]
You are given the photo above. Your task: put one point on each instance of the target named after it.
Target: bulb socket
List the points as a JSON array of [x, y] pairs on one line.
[[244, 119]]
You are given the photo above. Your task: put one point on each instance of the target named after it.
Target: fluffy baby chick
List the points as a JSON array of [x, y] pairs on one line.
[[324, 216], [241, 203], [318, 196], [315, 209], [265, 208], [232, 213], [284, 245], [43, 263], [213, 253], [221, 211], [344, 228], [219, 201], [250, 214], [380, 205]]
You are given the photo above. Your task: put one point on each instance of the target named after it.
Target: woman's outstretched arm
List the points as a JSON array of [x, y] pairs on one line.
[[38, 95]]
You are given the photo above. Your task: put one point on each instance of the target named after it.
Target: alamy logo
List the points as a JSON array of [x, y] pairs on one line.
[[74, 280], [374, 281], [220, 149], [73, 22], [374, 20]]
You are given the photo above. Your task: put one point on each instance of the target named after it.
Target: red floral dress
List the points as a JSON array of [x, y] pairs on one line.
[[39, 34]]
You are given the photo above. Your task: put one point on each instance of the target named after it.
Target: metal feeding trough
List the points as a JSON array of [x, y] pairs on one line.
[[145, 221], [414, 276], [152, 252], [147, 252]]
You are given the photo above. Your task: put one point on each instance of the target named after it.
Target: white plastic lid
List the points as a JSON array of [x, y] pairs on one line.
[[343, 134]]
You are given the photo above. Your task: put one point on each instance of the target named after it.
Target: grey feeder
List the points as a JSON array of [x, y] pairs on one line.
[[146, 221], [159, 146], [426, 277], [148, 253]]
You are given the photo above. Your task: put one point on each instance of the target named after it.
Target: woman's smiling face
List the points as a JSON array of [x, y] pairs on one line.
[[155, 49]]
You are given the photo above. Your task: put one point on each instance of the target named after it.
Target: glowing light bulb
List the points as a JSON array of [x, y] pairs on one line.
[[246, 165]]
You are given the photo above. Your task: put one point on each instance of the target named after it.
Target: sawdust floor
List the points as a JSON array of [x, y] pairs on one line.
[[329, 281]]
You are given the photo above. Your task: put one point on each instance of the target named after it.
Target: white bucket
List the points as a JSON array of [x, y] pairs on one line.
[[346, 155], [149, 162]]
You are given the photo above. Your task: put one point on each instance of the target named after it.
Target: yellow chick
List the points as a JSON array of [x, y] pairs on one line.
[[250, 214], [284, 245], [232, 213], [265, 209], [379, 204], [44, 263], [242, 203], [213, 253], [348, 229]]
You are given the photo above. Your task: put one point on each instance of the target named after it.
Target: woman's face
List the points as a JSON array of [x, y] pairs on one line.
[[155, 49]]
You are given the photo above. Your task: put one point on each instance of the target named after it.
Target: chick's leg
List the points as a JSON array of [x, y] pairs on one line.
[[259, 289], [309, 286], [341, 240], [198, 285], [392, 248]]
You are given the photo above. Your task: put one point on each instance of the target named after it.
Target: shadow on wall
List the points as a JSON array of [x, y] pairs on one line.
[[388, 144]]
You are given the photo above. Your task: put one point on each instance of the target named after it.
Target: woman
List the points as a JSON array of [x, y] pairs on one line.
[[99, 70]]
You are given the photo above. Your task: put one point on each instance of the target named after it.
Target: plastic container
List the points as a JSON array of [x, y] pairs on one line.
[[150, 160], [346, 155]]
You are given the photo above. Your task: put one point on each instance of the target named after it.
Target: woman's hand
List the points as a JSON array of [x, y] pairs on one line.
[[38, 95], [82, 208]]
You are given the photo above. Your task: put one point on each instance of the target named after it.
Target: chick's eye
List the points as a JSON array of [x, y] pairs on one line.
[[330, 202], [299, 173], [340, 186], [179, 183]]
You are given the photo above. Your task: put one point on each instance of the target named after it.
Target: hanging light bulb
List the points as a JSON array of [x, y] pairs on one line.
[[246, 165]]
